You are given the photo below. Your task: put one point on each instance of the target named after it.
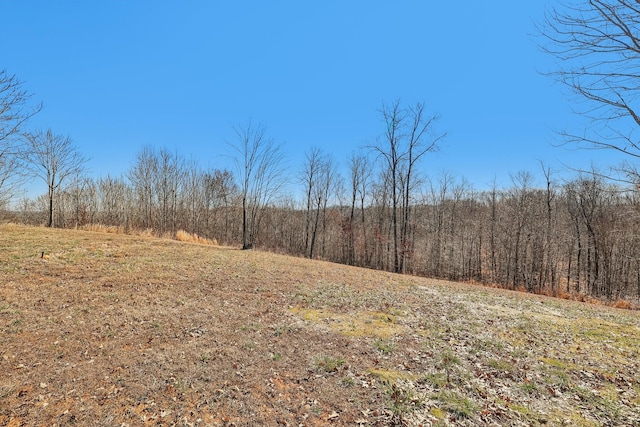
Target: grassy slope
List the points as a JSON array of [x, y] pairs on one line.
[[111, 329]]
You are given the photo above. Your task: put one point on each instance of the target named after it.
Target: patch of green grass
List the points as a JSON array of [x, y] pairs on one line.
[[437, 380], [14, 327], [384, 346], [254, 327], [328, 363], [448, 360], [111, 296], [456, 404], [500, 365], [522, 410], [156, 324], [556, 374], [573, 418], [605, 400], [529, 387], [488, 344], [278, 330], [348, 381], [555, 363]]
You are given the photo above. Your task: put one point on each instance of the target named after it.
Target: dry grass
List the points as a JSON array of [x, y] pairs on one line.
[[100, 228], [184, 236], [624, 304], [131, 330]]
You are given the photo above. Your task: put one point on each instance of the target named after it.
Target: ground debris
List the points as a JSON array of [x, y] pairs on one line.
[[257, 338]]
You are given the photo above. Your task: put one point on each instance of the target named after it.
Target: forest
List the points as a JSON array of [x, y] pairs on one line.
[[578, 237]]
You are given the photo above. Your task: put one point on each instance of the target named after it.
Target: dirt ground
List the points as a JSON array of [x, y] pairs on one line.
[[102, 329]]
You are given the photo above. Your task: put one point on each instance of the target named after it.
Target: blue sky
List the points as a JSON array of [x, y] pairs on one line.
[[118, 75]]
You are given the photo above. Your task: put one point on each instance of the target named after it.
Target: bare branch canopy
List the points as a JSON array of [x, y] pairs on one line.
[[15, 110], [597, 45], [52, 158]]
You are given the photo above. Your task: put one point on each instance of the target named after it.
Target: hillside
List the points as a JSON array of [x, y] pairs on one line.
[[127, 330]]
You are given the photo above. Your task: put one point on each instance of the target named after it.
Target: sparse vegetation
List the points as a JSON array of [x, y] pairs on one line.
[[384, 346], [328, 363], [124, 329], [403, 401], [448, 360], [456, 404]]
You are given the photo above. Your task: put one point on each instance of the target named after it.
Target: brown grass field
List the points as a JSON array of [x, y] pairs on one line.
[[118, 330]]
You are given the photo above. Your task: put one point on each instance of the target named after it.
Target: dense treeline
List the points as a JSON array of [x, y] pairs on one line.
[[580, 236]]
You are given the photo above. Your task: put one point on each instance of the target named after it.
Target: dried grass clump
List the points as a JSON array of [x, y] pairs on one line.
[[184, 236], [624, 304], [562, 294], [113, 229]]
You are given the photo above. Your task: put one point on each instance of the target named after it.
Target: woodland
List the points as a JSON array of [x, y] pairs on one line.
[[380, 208], [578, 237]]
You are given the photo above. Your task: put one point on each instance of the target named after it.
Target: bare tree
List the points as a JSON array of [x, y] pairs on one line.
[[309, 178], [142, 175], [390, 151], [360, 176], [220, 194], [114, 201], [260, 163], [53, 158], [14, 112], [549, 273], [421, 139], [407, 138], [168, 183], [597, 43], [82, 199]]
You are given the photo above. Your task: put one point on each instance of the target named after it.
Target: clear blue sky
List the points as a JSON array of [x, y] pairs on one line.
[[118, 75]]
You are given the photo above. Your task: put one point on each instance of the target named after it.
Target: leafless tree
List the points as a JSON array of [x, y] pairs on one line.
[[53, 158], [114, 201], [168, 183], [158, 178], [408, 136], [328, 181], [549, 273], [519, 203], [360, 173], [220, 197], [320, 178], [597, 44], [14, 112], [260, 164], [309, 178], [141, 176], [82, 200]]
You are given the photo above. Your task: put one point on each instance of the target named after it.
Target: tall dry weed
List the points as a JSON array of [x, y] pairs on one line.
[[624, 304], [184, 236]]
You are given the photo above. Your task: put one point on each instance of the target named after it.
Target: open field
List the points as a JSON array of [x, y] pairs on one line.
[[124, 330]]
